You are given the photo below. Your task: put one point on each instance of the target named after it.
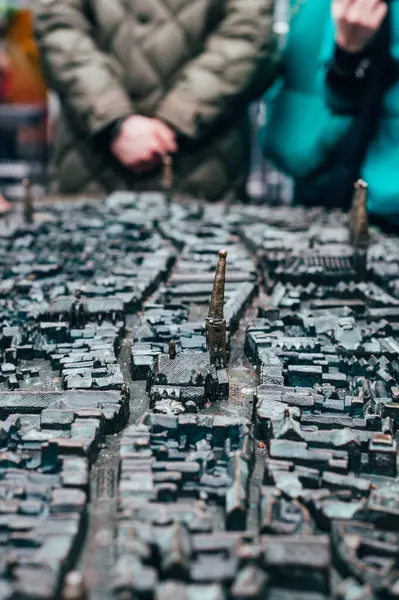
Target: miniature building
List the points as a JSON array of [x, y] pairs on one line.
[[178, 377], [79, 311], [383, 455], [186, 372]]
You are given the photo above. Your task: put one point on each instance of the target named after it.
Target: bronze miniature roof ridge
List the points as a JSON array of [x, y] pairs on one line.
[[217, 298]]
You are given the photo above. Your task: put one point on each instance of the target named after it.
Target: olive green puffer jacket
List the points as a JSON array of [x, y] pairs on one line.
[[193, 63]]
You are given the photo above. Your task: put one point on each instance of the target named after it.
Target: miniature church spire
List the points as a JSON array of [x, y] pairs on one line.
[[215, 322], [359, 229], [167, 178], [74, 587], [167, 173], [358, 219], [172, 349], [217, 298], [28, 202]]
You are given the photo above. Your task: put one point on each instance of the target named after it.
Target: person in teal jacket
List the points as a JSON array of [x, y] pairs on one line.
[[334, 114]]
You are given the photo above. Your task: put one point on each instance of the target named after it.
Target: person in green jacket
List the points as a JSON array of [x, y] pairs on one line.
[[334, 115]]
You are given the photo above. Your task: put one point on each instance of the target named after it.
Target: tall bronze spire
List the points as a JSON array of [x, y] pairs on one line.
[[358, 218], [167, 178], [217, 298], [74, 587], [172, 349], [167, 173], [28, 202], [215, 322]]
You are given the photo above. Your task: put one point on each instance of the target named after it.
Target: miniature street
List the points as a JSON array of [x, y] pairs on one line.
[[198, 402]]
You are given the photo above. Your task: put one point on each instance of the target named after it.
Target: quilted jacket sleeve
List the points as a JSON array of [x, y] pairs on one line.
[[76, 68], [236, 65]]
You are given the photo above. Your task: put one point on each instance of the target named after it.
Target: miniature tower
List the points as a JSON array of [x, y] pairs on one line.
[[358, 219], [359, 229], [78, 311], [172, 349], [215, 322], [74, 587], [28, 202], [167, 176]]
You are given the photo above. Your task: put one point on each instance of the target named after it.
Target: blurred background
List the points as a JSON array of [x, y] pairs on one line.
[[28, 110]]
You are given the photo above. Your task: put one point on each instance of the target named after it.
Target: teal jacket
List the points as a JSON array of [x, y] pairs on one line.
[[305, 127]]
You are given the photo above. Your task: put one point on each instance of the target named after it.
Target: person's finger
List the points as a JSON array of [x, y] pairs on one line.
[[367, 5], [341, 7], [160, 144], [166, 143], [143, 167], [362, 11], [167, 136], [5, 206], [379, 14], [145, 155], [368, 15], [147, 161], [156, 150]]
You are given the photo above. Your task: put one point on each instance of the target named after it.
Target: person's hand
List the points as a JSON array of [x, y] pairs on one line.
[[357, 22], [142, 142], [5, 206]]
